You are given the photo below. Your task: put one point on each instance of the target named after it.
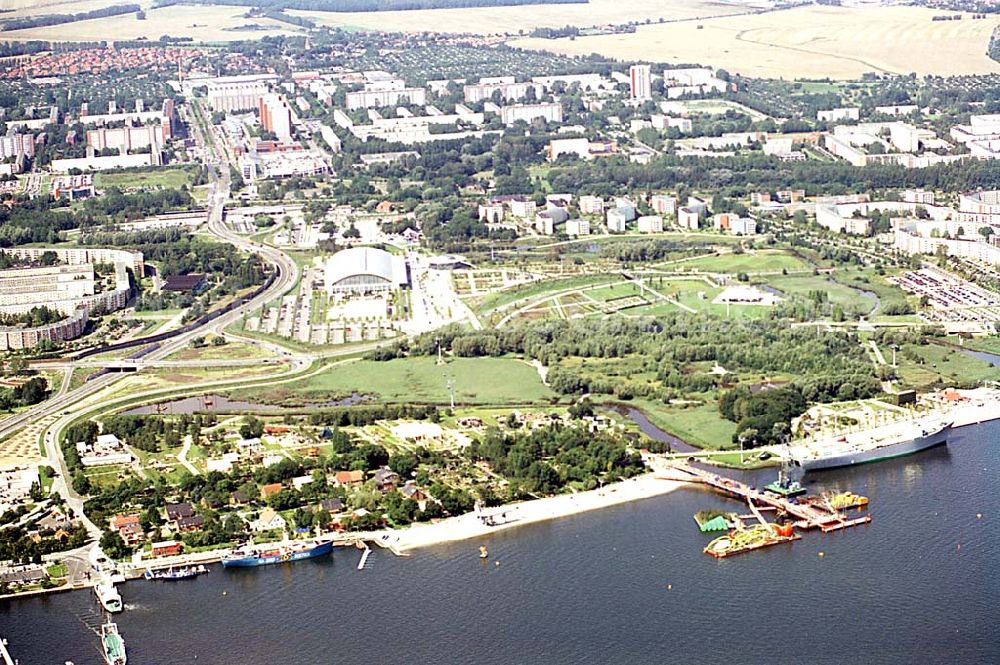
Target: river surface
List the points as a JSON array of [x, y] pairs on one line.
[[628, 584]]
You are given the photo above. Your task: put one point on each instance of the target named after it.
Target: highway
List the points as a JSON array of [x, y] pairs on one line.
[[287, 276]]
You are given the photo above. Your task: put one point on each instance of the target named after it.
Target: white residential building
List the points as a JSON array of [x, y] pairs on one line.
[[743, 226], [522, 207], [918, 196], [507, 87], [663, 204], [836, 115], [591, 205], [106, 449], [549, 111], [650, 224], [640, 82], [577, 227], [385, 96], [617, 220], [689, 218]]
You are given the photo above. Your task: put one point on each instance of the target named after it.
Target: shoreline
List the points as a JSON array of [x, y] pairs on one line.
[[470, 525]]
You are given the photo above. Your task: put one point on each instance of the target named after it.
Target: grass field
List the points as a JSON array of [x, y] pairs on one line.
[[839, 294], [806, 42], [511, 20], [987, 344], [942, 365], [761, 261], [167, 178], [232, 350], [203, 24], [494, 381], [700, 425]]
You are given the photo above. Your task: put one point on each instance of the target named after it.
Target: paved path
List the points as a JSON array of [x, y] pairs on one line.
[[182, 455]]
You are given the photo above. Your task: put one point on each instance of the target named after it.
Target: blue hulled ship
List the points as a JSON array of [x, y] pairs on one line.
[[262, 555]]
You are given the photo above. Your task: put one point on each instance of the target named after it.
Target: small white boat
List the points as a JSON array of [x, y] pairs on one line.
[[108, 596]]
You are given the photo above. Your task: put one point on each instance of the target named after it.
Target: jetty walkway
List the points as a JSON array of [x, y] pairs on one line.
[[809, 515]]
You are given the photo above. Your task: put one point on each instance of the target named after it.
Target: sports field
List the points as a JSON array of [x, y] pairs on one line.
[[203, 24], [806, 42], [511, 20]]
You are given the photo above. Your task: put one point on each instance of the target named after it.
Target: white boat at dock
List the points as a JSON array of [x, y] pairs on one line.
[[108, 596]]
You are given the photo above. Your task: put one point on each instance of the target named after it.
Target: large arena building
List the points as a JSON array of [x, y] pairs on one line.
[[364, 270]]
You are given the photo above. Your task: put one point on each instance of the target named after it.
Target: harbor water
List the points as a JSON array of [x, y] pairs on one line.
[[628, 584]]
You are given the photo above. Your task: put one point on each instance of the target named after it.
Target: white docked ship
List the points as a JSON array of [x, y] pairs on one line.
[[108, 596], [872, 445]]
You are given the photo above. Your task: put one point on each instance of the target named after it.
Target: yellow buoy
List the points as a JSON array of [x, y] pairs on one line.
[[822, 554], [979, 516], [670, 586], [497, 563], [224, 593]]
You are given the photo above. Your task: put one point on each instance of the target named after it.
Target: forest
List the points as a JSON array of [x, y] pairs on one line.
[[57, 19]]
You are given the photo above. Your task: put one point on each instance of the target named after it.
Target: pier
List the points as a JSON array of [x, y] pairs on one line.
[[809, 516], [4, 654], [364, 558]]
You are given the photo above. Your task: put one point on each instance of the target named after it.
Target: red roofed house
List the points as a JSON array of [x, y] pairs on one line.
[[129, 528], [348, 478], [167, 548], [268, 490]]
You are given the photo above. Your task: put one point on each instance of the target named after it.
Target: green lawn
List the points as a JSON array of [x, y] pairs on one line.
[[493, 381], [166, 178], [942, 365], [986, 344], [232, 350], [701, 425], [839, 294], [762, 261]]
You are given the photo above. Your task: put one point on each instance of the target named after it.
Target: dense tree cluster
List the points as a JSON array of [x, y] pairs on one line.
[[756, 413], [56, 19], [546, 459]]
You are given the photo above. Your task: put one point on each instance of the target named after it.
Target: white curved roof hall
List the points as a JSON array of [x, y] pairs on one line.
[[365, 261]]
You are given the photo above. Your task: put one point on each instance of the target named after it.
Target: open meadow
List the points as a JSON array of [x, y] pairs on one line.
[[511, 20], [805, 42], [418, 379]]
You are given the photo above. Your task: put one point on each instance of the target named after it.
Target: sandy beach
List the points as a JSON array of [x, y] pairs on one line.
[[513, 515]]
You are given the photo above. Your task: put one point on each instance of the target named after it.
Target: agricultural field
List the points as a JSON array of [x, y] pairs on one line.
[[514, 20], [203, 24], [494, 381], [805, 42]]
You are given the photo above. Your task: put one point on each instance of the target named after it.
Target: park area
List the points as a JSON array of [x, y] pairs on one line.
[[805, 42]]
